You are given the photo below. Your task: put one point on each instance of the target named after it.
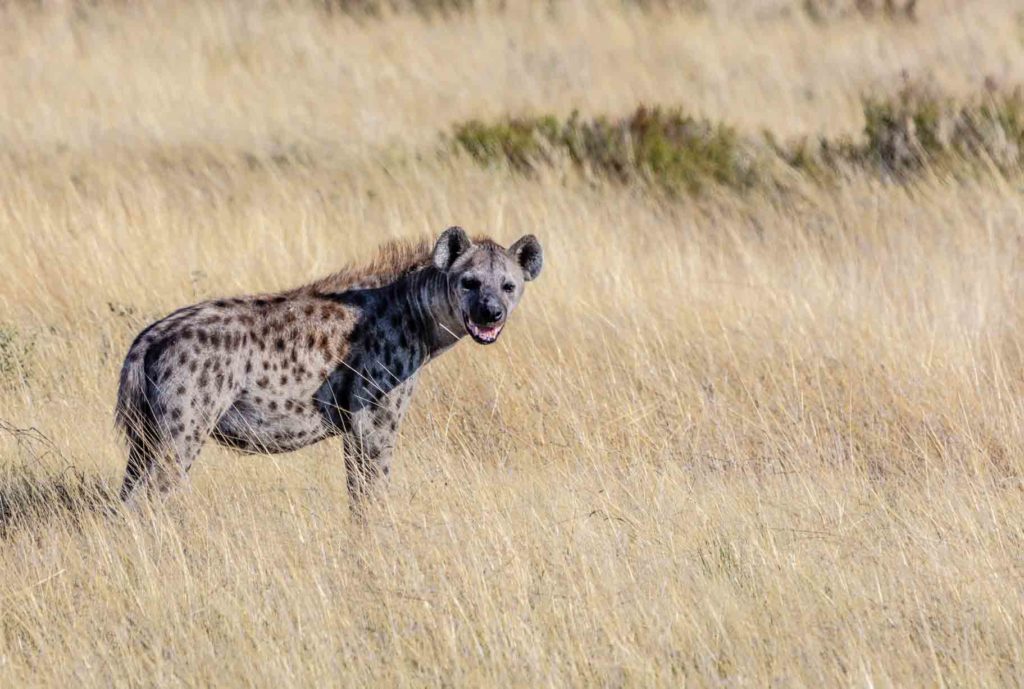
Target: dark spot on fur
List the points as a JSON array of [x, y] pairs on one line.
[[186, 334], [288, 405], [193, 365], [273, 405], [308, 311], [182, 358], [284, 380], [201, 336], [204, 380], [248, 365], [279, 344], [263, 382], [181, 390]]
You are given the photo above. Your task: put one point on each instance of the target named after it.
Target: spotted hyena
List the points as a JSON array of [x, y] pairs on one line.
[[274, 373]]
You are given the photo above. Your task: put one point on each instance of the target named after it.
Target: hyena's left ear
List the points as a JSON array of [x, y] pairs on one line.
[[528, 254], [452, 243]]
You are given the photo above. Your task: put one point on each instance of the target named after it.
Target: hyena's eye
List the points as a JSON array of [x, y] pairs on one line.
[[470, 283], [509, 287]]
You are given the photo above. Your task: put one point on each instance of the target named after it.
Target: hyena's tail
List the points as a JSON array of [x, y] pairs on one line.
[[134, 413]]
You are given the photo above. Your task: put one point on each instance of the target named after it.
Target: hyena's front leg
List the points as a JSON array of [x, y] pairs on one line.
[[370, 443]]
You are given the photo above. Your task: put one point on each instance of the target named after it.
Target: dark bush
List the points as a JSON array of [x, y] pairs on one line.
[[918, 127]]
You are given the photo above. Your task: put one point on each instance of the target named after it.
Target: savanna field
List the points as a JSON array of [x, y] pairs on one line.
[[759, 423]]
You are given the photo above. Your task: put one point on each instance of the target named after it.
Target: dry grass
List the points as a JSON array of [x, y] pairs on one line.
[[724, 443]]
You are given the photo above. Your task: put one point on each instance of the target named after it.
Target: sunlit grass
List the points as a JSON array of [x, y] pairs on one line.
[[723, 442]]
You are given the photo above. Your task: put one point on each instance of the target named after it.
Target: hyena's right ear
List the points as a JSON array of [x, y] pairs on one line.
[[452, 243]]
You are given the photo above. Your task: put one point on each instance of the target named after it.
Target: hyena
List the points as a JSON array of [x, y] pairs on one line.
[[274, 373]]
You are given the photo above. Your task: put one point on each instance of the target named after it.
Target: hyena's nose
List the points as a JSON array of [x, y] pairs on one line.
[[492, 313]]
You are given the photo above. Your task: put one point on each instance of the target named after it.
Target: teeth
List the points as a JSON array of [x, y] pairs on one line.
[[485, 334]]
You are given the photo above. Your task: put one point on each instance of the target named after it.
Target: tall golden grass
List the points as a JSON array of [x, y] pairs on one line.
[[727, 441]]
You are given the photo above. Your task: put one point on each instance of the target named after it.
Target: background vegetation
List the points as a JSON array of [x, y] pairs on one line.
[[759, 423]]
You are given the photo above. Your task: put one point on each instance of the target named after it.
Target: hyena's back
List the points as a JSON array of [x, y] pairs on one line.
[[245, 370]]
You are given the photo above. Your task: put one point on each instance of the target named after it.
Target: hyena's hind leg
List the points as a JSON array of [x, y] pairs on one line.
[[170, 397], [158, 460], [170, 423]]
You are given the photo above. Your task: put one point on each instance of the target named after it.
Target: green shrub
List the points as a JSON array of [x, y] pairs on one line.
[[522, 143], [829, 10], [444, 8], [912, 130], [376, 8], [15, 356], [667, 148]]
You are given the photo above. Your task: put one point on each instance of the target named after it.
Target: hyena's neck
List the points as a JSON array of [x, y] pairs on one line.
[[424, 300]]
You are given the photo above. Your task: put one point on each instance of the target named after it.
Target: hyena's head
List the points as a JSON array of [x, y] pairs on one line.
[[485, 280]]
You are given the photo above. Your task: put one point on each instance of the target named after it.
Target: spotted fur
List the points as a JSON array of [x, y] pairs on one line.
[[274, 373]]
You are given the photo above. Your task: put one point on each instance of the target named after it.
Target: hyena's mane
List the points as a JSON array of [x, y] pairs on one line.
[[393, 260]]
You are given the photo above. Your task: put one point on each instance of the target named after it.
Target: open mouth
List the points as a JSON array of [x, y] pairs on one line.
[[483, 334]]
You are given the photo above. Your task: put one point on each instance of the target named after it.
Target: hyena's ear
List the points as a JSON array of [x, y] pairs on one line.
[[528, 254], [452, 243]]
